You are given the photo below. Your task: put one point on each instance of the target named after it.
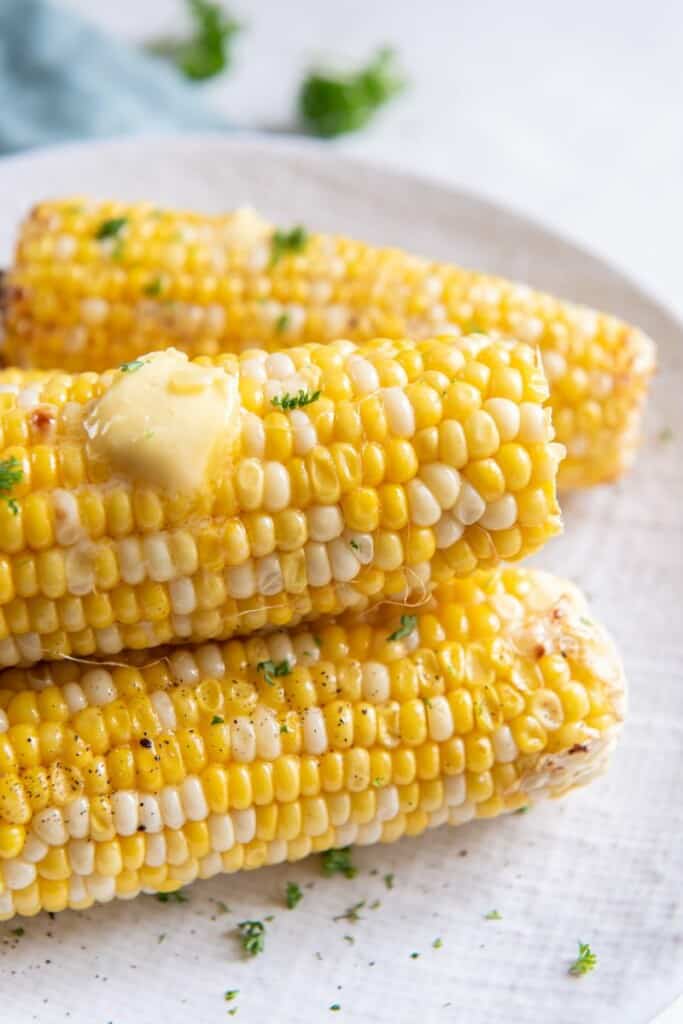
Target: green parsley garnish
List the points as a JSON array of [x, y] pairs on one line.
[[493, 915], [233, 1011], [586, 961], [389, 881], [332, 104], [414, 956], [110, 228], [375, 905], [522, 810], [252, 936], [18, 932], [335, 1007], [351, 913], [298, 401], [273, 669], [377, 782], [217, 720], [160, 938], [666, 434], [153, 287], [354, 544], [350, 939], [11, 473], [285, 242], [208, 51], [293, 895], [178, 896], [232, 993], [283, 728], [282, 323], [222, 907], [437, 943], [338, 862], [317, 641], [408, 624], [132, 366]]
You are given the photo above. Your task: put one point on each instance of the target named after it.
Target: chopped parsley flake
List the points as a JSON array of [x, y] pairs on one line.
[[335, 1007], [273, 669], [586, 961], [375, 905], [317, 641], [298, 401], [333, 104], [389, 881], [282, 323], [354, 544], [178, 896], [252, 936], [284, 242], [160, 938], [217, 720], [350, 939], [377, 782], [11, 473], [283, 728], [351, 913], [153, 287], [110, 228], [18, 932], [293, 895], [493, 915], [233, 1011], [408, 624], [232, 993], [338, 862], [522, 810], [437, 943], [132, 366], [222, 907], [414, 956]]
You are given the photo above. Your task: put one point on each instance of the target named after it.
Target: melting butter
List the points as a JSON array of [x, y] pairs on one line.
[[166, 422]]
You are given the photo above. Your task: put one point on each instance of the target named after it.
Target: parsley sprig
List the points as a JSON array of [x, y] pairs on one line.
[[11, 473], [252, 936], [110, 228], [298, 401], [273, 670], [408, 624], [178, 896], [338, 862], [293, 895], [586, 961], [209, 49], [284, 243], [335, 104]]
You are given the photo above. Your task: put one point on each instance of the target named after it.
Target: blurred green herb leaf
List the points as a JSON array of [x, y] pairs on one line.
[[208, 51], [332, 105]]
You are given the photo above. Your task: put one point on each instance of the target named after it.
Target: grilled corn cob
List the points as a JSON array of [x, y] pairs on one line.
[[99, 283], [170, 501], [147, 775]]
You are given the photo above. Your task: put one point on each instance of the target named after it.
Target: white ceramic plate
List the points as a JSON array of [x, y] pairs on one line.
[[606, 866]]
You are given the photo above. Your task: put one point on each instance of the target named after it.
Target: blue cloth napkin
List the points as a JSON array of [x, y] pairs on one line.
[[61, 78]]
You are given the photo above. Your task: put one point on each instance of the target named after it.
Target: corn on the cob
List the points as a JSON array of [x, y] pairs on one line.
[[141, 776], [170, 501], [99, 283]]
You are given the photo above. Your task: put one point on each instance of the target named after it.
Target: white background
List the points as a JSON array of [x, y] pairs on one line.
[[571, 112]]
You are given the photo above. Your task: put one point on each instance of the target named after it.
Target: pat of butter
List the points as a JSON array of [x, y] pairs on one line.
[[166, 422]]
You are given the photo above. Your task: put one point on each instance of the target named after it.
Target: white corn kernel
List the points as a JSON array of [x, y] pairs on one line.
[[500, 514], [155, 852], [533, 424], [210, 661], [158, 558], [504, 747], [439, 719], [81, 856], [443, 481], [98, 687], [423, 507], [455, 790], [193, 799], [269, 580], [399, 412], [277, 491], [49, 826], [470, 506], [240, 580], [505, 415], [244, 824], [325, 522], [171, 807], [376, 682], [345, 566], [131, 561], [18, 873], [318, 571], [221, 832], [447, 531], [242, 739], [183, 668], [314, 731], [150, 813], [77, 817], [124, 805]]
